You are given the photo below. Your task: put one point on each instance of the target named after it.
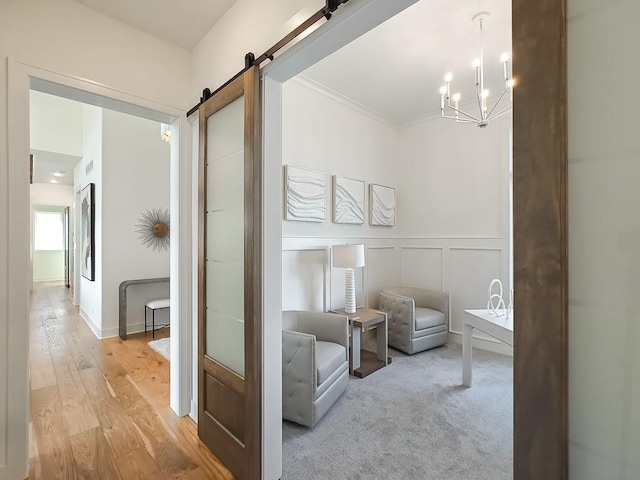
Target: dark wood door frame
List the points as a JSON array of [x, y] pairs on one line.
[[540, 240]]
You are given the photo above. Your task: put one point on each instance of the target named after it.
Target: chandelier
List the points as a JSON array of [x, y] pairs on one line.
[[449, 104]]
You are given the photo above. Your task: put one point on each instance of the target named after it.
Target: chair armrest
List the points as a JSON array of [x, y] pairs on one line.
[[327, 327], [298, 360], [401, 312], [433, 300]]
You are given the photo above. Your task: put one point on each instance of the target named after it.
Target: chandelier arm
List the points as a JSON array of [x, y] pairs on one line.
[[479, 103], [497, 102], [462, 112], [501, 112], [471, 117]]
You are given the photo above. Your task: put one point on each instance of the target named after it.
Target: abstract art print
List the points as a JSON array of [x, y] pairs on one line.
[[87, 233], [305, 194], [348, 200], [382, 205]]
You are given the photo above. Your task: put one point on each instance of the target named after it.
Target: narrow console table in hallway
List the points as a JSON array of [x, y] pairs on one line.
[[498, 327], [122, 297]]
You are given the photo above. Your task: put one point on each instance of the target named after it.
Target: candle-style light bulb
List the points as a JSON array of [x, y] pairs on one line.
[[456, 97], [504, 57], [448, 77], [485, 96]]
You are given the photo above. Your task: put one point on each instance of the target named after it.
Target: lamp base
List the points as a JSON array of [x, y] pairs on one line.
[[350, 291]]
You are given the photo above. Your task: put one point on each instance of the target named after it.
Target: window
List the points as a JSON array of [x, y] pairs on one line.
[[49, 231]]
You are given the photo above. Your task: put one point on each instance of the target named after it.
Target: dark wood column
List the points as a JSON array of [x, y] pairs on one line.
[[540, 240]]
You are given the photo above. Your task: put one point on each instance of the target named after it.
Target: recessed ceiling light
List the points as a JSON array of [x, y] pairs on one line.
[[58, 174], [53, 180]]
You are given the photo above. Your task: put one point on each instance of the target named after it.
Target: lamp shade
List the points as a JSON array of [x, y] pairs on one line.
[[348, 256]]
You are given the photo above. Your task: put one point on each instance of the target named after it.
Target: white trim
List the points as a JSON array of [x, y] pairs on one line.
[[317, 87], [48, 279], [19, 77], [87, 319], [326, 270]]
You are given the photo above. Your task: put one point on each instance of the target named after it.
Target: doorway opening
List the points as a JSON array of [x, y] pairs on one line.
[[464, 244]]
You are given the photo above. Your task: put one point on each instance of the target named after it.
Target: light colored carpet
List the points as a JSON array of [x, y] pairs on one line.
[[412, 420], [162, 346]]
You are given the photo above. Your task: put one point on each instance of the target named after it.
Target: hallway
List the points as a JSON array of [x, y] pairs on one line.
[[100, 409]]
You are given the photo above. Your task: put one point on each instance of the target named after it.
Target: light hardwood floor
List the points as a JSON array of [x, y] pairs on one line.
[[100, 409]]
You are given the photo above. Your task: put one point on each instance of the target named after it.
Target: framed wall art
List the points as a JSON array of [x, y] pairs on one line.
[[87, 233], [382, 205], [348, 200], [305, 194]]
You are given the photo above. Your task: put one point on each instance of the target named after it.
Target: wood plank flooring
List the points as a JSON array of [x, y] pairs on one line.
[[100, 409]]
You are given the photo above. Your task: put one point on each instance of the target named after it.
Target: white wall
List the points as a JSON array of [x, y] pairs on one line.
[[66, 37], [135, 178], [131, 175], [48, 265], [50, 119], [248, 26], [604, 240], [452, 214], [91, 291]]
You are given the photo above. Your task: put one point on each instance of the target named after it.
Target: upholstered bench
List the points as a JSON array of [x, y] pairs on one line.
[[154, 305]]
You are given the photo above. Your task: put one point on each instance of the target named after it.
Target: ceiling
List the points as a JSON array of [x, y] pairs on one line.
[[396, 69], [46, 163], [182, 23]]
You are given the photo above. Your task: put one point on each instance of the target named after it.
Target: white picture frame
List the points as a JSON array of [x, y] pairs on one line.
[[305, 195], [382, 205], [348, 200]]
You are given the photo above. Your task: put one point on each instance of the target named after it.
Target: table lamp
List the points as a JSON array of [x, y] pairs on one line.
[[349, 257]]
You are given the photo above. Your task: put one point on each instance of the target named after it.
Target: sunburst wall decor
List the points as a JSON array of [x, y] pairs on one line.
[[153, 229]]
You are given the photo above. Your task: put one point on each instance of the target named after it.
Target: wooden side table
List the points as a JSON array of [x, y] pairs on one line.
[[363, 362]]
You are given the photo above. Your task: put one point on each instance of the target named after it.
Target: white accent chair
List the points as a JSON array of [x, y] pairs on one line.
[[418, 319], [315, 364]]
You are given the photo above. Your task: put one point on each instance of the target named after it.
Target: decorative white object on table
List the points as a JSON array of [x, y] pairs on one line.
[[305, 194], [496, 304], [349, 257], [348, 200]]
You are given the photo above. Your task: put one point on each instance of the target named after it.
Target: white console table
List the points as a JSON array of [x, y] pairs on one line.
[[498, 327]]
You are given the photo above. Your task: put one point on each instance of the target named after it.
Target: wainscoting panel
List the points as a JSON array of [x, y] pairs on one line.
[[304, 279], [422, 267], [471, 272], [382, 271]]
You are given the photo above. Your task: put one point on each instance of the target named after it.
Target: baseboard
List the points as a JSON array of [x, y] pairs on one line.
[[48, 279], [113, 331], [482, 344], [94, 328], [194, 411]]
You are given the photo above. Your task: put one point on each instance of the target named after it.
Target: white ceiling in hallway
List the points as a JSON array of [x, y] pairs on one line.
[[181, 22], [396, 69]]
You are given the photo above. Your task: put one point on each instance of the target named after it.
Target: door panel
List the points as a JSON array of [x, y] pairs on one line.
[[230, 304]]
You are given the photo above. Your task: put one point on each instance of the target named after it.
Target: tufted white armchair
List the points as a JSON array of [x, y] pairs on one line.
[[418, 319], [315, 364]]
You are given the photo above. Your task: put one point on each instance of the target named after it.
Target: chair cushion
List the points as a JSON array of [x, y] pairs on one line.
[[156, 304], [427, 318], [329, 357]]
